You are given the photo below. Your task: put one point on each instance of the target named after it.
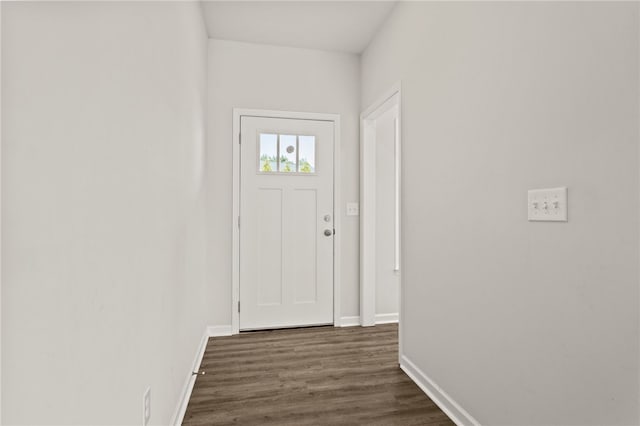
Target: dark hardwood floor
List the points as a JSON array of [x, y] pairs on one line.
[[308, 376]]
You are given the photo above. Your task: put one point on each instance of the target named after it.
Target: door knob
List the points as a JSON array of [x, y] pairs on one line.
[[328, 232]]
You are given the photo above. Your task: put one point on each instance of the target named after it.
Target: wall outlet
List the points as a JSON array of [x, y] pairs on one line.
[[146, 407], [353, 209]]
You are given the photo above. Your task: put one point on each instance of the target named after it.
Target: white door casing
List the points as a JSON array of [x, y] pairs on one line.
[[286, 229]]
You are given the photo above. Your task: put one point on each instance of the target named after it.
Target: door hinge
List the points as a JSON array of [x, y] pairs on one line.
[[238, 222], [238, 306], [240, 138]]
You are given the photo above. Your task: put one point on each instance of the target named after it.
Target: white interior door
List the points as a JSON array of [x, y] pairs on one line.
[[286, 222]]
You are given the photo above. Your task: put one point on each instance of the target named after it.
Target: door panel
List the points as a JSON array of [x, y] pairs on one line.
[[269, 265], [304, 243], [286, 205]]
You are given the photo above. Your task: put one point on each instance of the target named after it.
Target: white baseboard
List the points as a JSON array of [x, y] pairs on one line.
[[386, 318], [210, 331], [450, 407], [219, 330], [188, 386], [380, 319], [349, 321]]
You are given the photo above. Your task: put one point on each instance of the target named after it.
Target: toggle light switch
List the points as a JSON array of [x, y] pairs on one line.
[[548, 204]]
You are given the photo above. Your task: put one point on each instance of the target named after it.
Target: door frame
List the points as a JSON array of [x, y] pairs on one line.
[[238, 113], [0, 221], [391, 99]]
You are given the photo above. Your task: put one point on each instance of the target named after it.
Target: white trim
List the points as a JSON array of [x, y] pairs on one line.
[[398, 166], [219, 330], [235, 244], [447, 404], [238, 113], [386, 318], [380, 319], [367, 226], [349, 321], [391, 99], [1, 6], [337, 223], [178, 417], [396, 88]]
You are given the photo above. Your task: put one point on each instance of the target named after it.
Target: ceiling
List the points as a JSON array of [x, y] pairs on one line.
[[343, 26]]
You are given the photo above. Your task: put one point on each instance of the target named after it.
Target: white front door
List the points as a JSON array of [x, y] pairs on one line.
[[286, 222]]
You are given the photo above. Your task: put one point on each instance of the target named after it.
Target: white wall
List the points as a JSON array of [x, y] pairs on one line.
[[103, 208], [244, 75], [387, 279], [521, 323]]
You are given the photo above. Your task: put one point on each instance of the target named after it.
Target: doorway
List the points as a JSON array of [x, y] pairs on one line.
[[286, 226], [380, 191]]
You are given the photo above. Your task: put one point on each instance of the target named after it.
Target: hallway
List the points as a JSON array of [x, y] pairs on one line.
[[321, 375], [172, 172]]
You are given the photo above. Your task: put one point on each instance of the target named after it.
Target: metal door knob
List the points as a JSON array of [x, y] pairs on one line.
[[328, 232]]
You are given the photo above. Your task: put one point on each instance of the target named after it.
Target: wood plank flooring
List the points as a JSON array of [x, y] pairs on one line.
[[308, 376]]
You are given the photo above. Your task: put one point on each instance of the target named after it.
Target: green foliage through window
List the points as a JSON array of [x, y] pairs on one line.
[[305, 167]]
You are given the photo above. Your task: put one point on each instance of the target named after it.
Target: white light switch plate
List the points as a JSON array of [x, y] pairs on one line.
[[353, 209], [547, 205]]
